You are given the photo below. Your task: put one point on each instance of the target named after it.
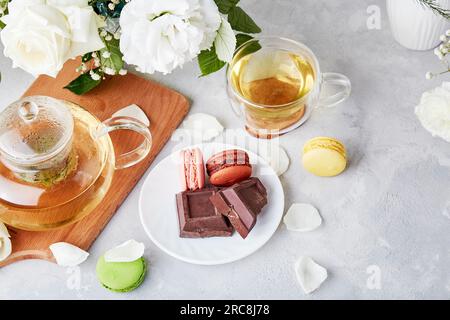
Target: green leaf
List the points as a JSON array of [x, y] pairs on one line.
[[2, 24], [242, 38], [225, 42], [226, 5], [84, 83], [240, 21], [209, 62], [87, 57], [115, 60]]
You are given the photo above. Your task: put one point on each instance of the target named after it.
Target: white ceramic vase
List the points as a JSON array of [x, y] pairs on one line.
[[415, 26]]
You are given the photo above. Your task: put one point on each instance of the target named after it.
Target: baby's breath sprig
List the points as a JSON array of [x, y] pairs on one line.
[[108, 8], [110, 58], [441, 52], [96, 66]]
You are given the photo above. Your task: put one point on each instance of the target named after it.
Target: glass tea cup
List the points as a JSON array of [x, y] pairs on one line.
[[275, 83]]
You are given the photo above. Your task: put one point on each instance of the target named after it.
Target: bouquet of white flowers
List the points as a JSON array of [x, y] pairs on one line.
[[39, 36]]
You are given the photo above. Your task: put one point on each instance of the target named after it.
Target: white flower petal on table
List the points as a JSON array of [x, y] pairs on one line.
[[433, 111], [4, 231], [275, 155], [5, 242], [202, 126], [310, 275], [5, 247], [225, 42], [128, 251], [133, 111], [68, 255], [302, 217]]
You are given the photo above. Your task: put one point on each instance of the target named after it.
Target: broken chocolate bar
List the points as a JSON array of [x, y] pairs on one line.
[[197, 216], [241, 203]]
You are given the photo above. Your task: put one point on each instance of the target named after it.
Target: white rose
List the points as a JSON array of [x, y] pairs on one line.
[[434, 111], [163, 35], [40, 36]]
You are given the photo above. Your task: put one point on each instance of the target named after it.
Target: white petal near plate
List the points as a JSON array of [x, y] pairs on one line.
[[4, 231], [202, 126], [302, 217], [275, 155], [5, 247], [68, 255], [310, 275], [128, 251], [133, 111], [158, 213], [5, 242]]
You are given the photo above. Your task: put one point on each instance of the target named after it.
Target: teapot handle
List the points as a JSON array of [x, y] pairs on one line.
[[132, 157]]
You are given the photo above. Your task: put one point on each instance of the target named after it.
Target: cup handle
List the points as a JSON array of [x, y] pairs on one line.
[[132, 157], [342, 88]]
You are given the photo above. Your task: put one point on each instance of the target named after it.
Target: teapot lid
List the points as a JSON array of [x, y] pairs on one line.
[[34, 129]]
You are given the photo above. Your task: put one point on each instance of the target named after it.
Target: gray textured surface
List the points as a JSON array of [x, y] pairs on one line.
[[391, 208]]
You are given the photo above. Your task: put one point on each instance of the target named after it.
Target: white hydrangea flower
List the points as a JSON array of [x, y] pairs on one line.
[[163, 35]]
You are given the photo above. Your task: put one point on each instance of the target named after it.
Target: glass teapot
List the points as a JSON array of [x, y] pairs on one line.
[[57, 161]]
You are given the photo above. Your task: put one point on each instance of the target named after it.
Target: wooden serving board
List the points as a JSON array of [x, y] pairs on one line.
[[164, 107]]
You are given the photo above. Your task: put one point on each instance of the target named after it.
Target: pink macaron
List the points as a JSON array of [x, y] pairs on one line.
[[192, 169]]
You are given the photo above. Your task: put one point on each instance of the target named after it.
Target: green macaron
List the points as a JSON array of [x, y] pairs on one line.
[[121, 276]]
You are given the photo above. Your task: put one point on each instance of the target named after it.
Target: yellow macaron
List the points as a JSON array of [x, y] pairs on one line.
[[324, 156]]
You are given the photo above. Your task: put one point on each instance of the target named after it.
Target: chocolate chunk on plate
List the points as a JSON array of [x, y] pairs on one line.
[[241, 203], [197, 216]]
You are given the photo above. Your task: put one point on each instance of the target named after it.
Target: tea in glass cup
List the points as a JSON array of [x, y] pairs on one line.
[[274, 83]]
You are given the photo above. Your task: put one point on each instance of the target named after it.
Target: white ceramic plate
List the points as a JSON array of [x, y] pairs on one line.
[[158, 213]]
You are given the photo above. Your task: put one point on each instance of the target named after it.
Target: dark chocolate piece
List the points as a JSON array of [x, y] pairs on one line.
[[197, 216], [241, 203], [253, 193]]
